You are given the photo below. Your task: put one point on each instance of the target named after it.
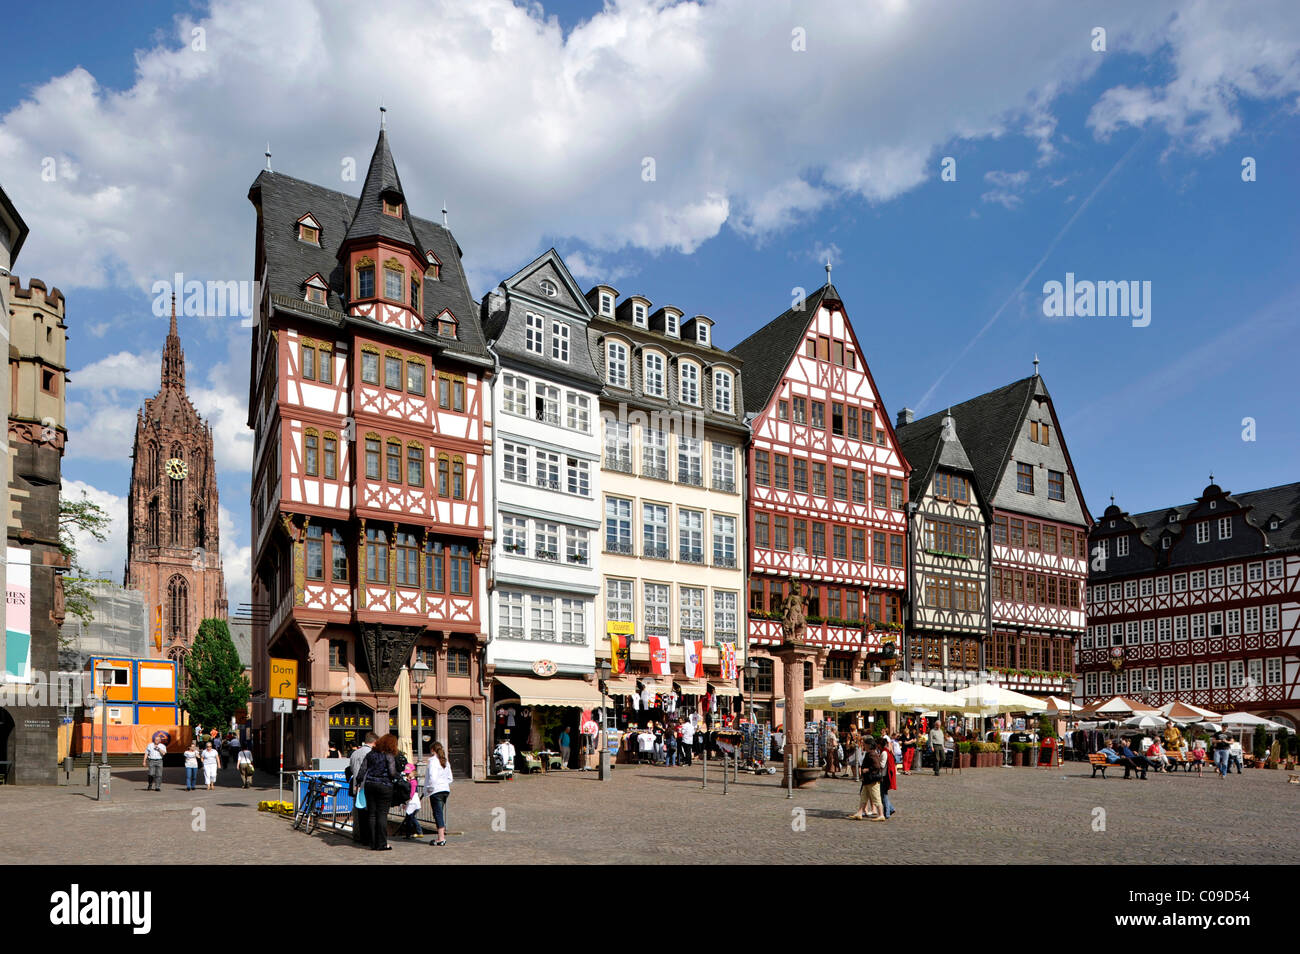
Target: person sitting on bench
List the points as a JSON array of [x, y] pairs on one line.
[[1132, 761], [1156, 756]]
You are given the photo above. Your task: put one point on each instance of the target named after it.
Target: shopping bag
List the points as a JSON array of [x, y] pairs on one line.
[[361, 797]]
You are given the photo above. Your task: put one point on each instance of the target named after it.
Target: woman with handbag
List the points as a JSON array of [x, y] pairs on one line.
[[869, 794], [380, 774], [437, 782]]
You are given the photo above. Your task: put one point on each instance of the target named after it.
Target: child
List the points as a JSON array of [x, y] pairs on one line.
[[410, 827]]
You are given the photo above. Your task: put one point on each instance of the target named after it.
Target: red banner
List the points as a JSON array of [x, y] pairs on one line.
[[659, 656]]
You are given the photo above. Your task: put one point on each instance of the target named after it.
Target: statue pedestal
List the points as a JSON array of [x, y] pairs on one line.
[[792, 654]]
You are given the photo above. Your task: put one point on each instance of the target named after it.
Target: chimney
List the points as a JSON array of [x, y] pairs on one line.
[[904, 417]]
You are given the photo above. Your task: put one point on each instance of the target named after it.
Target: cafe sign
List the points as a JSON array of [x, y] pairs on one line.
[[545, 668]]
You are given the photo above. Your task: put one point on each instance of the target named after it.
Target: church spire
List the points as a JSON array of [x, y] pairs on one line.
[[173, 362]]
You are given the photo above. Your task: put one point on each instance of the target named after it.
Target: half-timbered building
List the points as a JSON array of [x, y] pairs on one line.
[[672, 489], [546, 466], [827, 487], [370, 489], [947, 612], [1198, 602], [1038, 528]]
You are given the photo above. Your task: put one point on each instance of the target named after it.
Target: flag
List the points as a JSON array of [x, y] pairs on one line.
[[659, 656], [157, 627], [620, 633], [694, 658], [729, 669]]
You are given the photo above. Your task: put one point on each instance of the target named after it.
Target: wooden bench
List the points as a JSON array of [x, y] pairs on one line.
[[1186, 761], [1098, 761]]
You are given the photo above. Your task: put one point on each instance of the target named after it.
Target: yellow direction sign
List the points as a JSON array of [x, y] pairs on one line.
[[283, 679]]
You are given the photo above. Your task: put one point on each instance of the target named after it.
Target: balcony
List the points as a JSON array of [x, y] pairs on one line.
[[654, 552], [551, 556], [654, 473], [623, 547], [549, 417], [621, 464], [724, 486], [547, 483], [688, 555]]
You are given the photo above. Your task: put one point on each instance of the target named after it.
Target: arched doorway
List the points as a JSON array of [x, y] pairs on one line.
[[349, 723], [458, 742]]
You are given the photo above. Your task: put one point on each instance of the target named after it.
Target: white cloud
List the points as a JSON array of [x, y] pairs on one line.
[[1007, 187], [104, 559], [236, 561], [533, 133]]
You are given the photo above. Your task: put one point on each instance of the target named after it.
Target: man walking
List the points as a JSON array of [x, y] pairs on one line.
[[360, 817], [1222, 753], [153, 761], [936, 744]]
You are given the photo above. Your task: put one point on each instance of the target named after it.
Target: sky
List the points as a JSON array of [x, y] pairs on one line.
[[948, 159]]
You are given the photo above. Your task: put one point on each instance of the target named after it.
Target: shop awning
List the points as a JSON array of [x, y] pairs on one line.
[[721, 691], [552, 692]]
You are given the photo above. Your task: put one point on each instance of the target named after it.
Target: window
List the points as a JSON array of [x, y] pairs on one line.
[[575, 546], [1198, 580], [616, 364], [578, 416], [308, 363], [837, 419], [762, 468], [1255, 572], [690, 461], [724, 541], [654, 531], [879, 548], [859, 546], [606, 304], [800, 474], [638, 314], [573, 627], [1252, 619], [393, 372], [853, 423], [414, 377], [702, 333], [691, 612], [1225, 528], [896, 493], [372, 458], [618, 525], [819, 414], [394, 459], [618, 446], [1055, 484], [654, 374], [783, 410], [376, 556], [1274, 667], [578, 476], [670, 324], [1025, 478], [415, 293], [722, 391], [895, 549], [1216, 576], [559, 341], [338, 558], [533, 325], [760, 531], [819, 478], [724, 617], [458, 662], [315, 553], [819, 539], [654, 454], [458, 565], [308, 233], [1274, 569], [780, 472], [541, 610], [547, 542], [1271, 617], [365, 286], [514, 462], [414, 466], [657, 610], [548, 470], [515, 393], [800, 410], [840, 486], [1233, 620], [618, 600], [511, 604], [435, 571], [394, 282], [1234, 573], [369, 367], [451, 392], [546, 404], [690, 380], [1203, 532], [781, 533], [408, 560], [1166, 629], [724, 468], [514, 535], [311, 459]]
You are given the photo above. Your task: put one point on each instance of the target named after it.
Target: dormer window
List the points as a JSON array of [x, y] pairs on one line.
[[1272, 524], [638, 314], [317, 291], [447, 327], [392, 206], [606, 304], [394, 280], [309, 230], [548, 288], [702, 333], [670, 324]]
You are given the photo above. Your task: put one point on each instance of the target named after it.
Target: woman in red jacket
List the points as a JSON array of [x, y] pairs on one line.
[[890, 782]]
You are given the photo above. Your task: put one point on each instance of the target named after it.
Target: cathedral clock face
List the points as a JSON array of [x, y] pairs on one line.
[[177, 468]]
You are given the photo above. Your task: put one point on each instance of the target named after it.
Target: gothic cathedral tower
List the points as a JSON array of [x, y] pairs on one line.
[[173, 552]]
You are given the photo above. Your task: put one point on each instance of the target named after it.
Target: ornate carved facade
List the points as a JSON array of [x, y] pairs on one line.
[[173, 548]]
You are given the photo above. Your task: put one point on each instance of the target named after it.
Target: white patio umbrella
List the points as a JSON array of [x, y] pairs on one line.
[[1239, 719], [902, 696], [404, 714], [1185, 713], [834, 695], [1146, 722], [989, 699], [1056, 706]]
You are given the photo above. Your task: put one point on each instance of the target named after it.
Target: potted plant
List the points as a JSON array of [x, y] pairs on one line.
[[963, 755]]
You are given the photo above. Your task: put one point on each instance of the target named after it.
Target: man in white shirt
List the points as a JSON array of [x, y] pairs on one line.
[[1234, 755], [153, 761], [688, 742]]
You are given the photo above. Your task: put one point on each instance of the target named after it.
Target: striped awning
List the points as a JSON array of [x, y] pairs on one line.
[[552, 692]]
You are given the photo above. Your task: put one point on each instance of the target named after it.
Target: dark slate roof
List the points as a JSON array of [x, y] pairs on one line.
[[922, 444], [381, 179], [988, 426], [290, 262], [1282, 501], [767, 352], [19, 224]]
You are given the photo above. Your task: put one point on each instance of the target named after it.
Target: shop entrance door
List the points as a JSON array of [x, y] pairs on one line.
[[458, 742]]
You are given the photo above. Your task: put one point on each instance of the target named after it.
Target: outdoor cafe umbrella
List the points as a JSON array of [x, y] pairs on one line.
[[989, 699], [1056, 706], [1185, 713], [1246, 720], [833, 695], [1146, 721], [1113, 708], [899, 696], [404, 714]]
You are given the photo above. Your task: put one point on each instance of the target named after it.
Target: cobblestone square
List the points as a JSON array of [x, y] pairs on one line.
[[655, 815]]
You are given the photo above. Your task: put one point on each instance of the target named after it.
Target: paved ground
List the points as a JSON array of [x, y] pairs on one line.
[[661, 815]]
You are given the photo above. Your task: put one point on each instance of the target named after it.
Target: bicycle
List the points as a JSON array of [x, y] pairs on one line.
[[312, 808]]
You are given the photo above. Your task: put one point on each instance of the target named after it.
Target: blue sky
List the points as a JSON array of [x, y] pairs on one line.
[[1117, 165]]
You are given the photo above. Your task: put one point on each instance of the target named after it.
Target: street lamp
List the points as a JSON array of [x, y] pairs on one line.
[[602, 673], [420, 672], [751, 679], [103, 779]]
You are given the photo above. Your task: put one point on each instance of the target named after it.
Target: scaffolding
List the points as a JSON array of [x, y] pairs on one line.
[[119, 627]]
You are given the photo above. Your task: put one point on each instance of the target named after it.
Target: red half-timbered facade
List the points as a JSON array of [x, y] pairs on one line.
[[371, 471], [1198, 602], [827, 491]]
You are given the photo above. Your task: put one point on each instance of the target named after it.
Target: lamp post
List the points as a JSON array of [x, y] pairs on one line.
[[420, 673], [602, 673], [104, 778], [751, 679]]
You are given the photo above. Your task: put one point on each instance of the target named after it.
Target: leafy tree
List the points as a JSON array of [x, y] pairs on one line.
[[217, 688], [84, 516]]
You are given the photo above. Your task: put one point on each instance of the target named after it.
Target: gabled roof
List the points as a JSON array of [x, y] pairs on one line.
[[19, 228], [370, 220], [989, 425], [289, 261], [922, 443], [767, 352], [1283, 500]]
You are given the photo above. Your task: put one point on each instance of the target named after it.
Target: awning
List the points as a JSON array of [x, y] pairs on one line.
[[725, 690], [552, 692]]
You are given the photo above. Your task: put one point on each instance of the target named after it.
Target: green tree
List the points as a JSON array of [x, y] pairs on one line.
[[84, 516], [217, 688]]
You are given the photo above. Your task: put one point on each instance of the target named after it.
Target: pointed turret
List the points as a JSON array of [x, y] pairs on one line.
[[382, 189], [173, 361]]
